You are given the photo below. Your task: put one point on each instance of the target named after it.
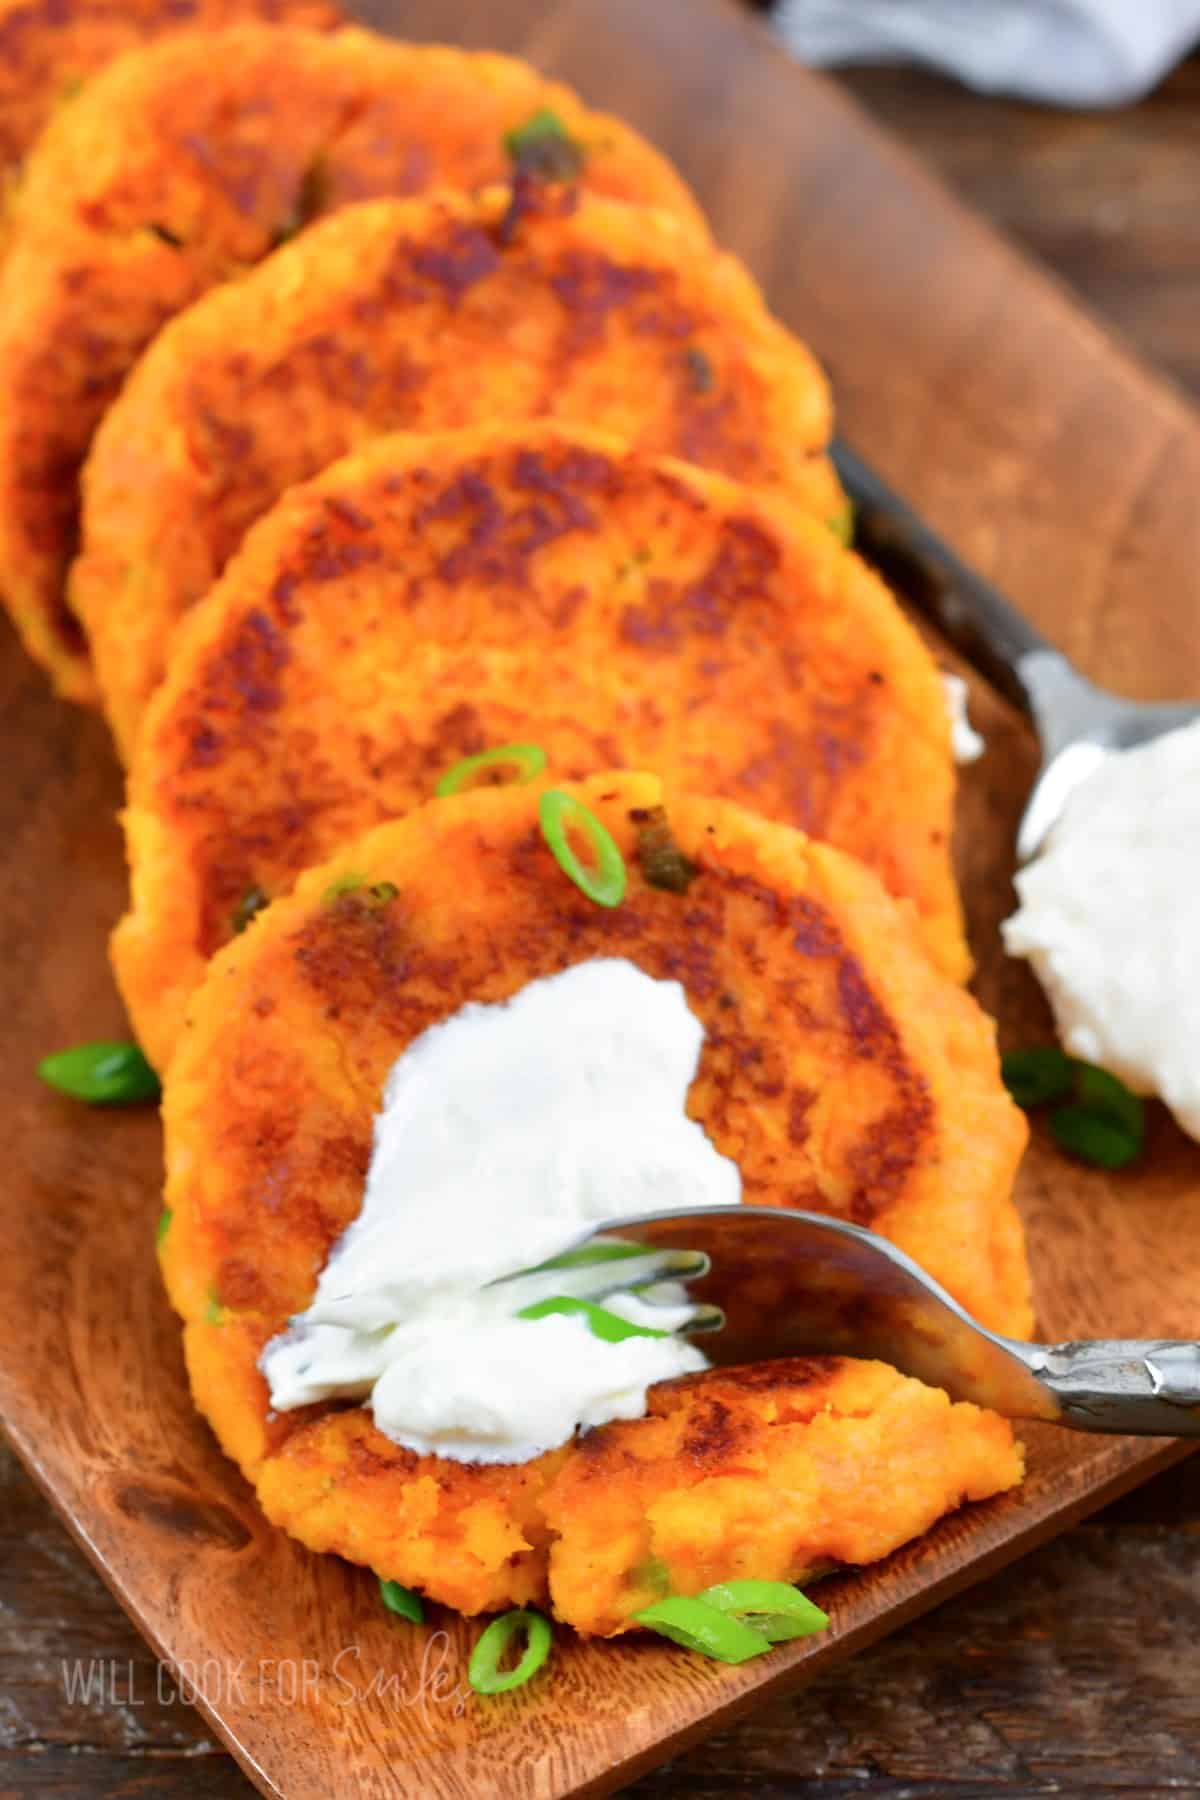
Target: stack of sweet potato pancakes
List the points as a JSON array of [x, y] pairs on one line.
[[366, 406]]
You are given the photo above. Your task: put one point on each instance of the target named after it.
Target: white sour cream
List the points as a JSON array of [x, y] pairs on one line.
[[1110, 920], [965, 742], [505, 1131]]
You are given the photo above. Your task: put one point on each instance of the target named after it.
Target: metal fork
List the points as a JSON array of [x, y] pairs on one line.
[[773, 1283], [1078, 724]]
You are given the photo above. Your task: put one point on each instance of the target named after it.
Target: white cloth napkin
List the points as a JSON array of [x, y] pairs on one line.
[[1069, 52]]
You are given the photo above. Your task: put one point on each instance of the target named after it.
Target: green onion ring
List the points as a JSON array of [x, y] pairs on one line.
[[698, 1626], [402, 1600], [163, 1226], [527, 759], [559, 812], [103, 1074], [609, 1326], [484, 1672], [775, 1608]]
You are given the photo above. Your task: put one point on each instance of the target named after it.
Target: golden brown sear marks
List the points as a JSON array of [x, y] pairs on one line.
[[813, 991], [434, 596], [50, 48], [184, 163], [418, 315]]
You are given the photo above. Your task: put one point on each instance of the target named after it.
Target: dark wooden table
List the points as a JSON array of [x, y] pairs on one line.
[[1075, 1671]]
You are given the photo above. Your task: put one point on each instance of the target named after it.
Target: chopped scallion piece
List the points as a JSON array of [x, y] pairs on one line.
[[698, 1626], [103, 1074], [1035, 1076], [484, 1671], [524, 762], [1101, 1092], [340, 886], [603, 1324], [775, 1608], [659, 857], [402, 1600], [163, 1226], [543, 147], [1102, 1122], [1094, 1137], [560, 814]]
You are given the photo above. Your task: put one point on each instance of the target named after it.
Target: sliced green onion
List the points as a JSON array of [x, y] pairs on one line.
[[698, 1626], [526, 761], [774, 1608], [542, 146], [251, 902], [841, 523], [659, 857], [382, 892], [1034, 1076], [589, 1254], [213, 1311], [163, 1226], [103, 1074], [340, 886], [653, 1573], [560, 813], [602, 1323], [484, 1671], [402, 1600], [1102, 1093], [1094, 1137], [1103, 1123]]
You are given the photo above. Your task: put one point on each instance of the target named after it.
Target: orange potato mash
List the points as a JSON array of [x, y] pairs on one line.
[[423, 315], [839, 1069], [433, 596], [49, 48], [179, 166]]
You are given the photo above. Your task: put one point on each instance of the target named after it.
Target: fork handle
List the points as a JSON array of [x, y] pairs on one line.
[[1149, 1389], [974, 615]]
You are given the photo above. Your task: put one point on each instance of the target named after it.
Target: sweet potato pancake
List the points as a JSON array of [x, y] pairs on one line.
[[431, 597], [180, 165], [424, 315], [839, 1069], [48, 48]]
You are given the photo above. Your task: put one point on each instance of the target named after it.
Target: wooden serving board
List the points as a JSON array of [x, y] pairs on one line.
[[1050, 460]]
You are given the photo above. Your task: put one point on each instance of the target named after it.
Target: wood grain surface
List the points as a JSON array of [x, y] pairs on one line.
[[1105, 199], [1060, 468]]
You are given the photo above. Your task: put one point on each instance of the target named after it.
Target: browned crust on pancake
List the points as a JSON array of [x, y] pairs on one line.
[[431, 597], [422, 315], [185, 162], [808, 982]]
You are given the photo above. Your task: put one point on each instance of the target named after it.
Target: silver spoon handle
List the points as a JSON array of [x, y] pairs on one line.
[[974, 615], [1149, 1389]]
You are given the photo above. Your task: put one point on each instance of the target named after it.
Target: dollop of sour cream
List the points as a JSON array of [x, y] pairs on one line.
[[1110, 919], [966, 745], [505, 1131]]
